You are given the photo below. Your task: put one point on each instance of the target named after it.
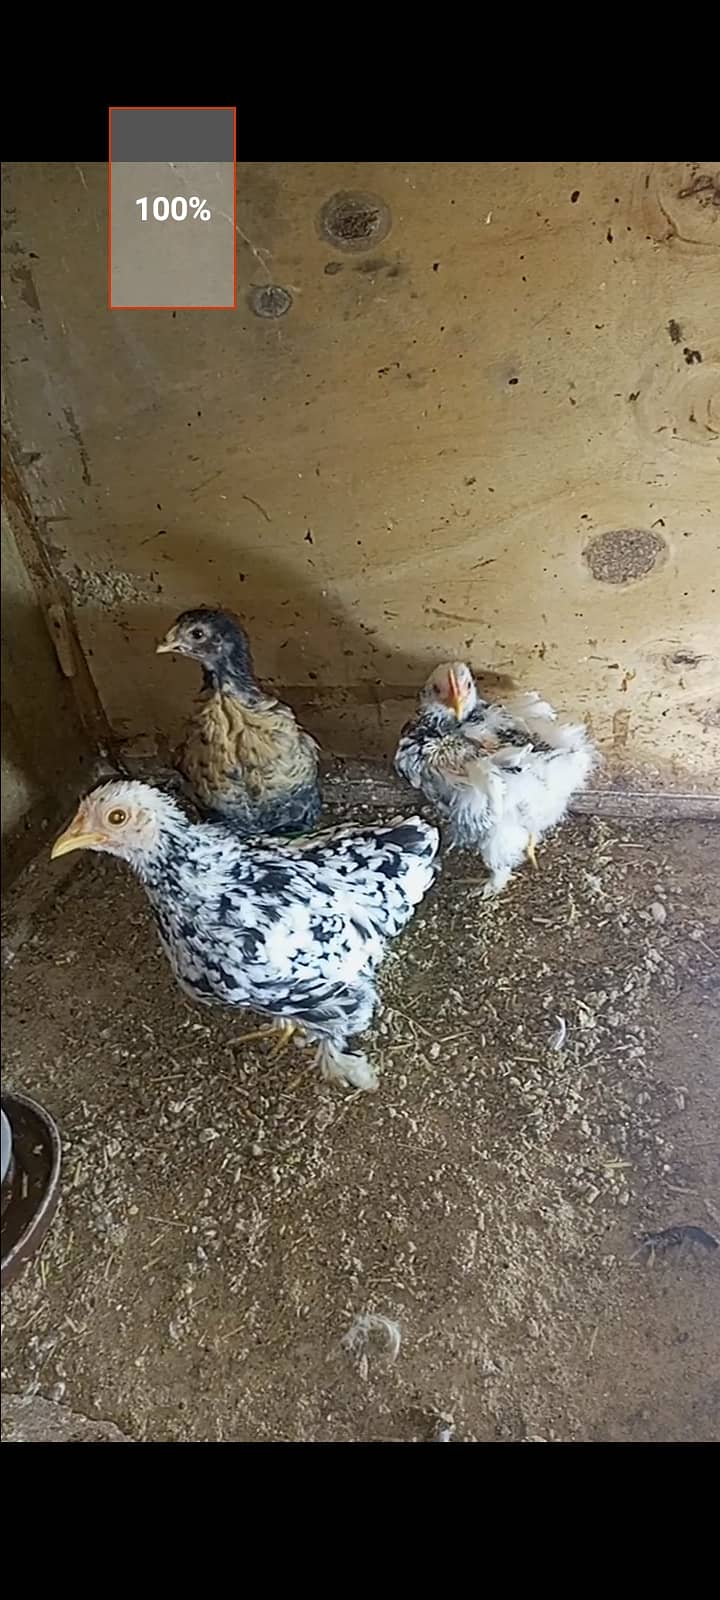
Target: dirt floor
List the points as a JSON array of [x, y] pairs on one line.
[[226, 1222]]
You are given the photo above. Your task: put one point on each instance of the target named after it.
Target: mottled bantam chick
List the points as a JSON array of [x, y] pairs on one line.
[[294, 930], [500, 775], [244, 759]]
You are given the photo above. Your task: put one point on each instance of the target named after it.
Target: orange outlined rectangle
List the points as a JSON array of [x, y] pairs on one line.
[[233, 306]]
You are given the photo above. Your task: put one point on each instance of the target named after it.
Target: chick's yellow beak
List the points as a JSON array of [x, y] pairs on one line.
[[77, 837], [167, 644], [456, 699]]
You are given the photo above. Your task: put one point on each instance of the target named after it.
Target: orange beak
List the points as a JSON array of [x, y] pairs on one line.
[[456, 699]]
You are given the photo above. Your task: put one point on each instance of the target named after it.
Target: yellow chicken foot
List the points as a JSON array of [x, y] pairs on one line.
[[530, 852], [286, 1030]]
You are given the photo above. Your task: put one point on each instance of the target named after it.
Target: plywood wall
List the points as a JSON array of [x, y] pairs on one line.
[[46, 754], [413, 463]]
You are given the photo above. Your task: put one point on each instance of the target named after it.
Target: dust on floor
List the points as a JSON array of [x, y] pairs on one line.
[[224, 1220]]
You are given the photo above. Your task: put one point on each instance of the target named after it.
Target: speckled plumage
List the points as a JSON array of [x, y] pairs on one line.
[[500, 776], [244, 758], [293, 930]]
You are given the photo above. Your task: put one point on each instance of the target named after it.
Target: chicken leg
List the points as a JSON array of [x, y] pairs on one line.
[[530, 852], [286, 1030]]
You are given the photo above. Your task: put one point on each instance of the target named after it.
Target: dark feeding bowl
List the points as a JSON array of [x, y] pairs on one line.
[[31, 1156]]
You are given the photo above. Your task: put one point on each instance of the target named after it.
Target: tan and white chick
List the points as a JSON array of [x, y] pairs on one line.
[[499, 775], [245, 760]]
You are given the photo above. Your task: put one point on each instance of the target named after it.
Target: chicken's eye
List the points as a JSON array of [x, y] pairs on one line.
[[117, 817], [197, 633]]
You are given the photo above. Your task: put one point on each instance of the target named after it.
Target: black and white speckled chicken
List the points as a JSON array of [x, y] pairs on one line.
[[500, 775], [244, 759], [294, 930]]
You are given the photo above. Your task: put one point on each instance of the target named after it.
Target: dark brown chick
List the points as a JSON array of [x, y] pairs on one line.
[[245, 760]]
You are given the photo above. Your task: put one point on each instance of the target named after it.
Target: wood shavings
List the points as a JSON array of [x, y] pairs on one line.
[[452, 1215]]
